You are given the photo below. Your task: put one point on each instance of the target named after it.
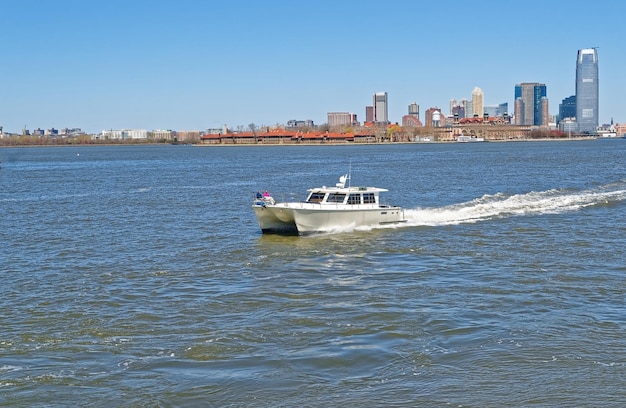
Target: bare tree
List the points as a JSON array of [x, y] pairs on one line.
[[252, 127]]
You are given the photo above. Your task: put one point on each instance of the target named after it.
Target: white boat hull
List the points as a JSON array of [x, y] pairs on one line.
[[304, 219]]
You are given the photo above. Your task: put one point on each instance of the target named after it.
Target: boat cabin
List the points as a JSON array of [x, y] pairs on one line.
[[349, 196]]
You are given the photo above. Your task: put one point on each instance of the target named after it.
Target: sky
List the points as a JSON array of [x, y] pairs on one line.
[[198, 64]]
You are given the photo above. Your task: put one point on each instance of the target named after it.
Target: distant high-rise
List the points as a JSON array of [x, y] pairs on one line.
[[453, 104], [413, 117], [380, 108], [477, 102], [587, 90], [545, 112], [369, 113], [497, 110], [467, 108], [458, 112], [341, 119], [434, 117], [567, 108], [529, 106]]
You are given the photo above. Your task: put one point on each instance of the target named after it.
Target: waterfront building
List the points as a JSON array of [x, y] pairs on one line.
[[381, 114], [163, 134], [587, 90], [477, 102], [567, 108], [620, 129], [528, 104], [125, 134], [341, 119]]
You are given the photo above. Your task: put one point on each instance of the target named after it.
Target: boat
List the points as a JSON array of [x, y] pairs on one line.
[[466, 139], [326, 209]]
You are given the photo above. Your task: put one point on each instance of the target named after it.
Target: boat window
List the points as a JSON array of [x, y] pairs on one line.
[[369, 198], [316, 198], [335, 198], [354, 199]]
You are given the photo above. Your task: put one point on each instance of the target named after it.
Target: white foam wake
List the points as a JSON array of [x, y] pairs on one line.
[[502, 205]]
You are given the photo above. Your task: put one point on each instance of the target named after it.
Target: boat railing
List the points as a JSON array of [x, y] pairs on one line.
[[279, 197]]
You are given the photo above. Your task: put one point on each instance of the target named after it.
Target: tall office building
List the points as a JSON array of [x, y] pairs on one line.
[[587, 90], [477, 102], [529, 107], [413, 117], [381, 108]]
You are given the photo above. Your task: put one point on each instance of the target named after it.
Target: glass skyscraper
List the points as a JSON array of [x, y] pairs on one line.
[[567, 108], [587, 90], [528, 104]]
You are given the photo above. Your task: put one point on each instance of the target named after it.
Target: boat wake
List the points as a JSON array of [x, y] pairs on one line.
[[502, 205]]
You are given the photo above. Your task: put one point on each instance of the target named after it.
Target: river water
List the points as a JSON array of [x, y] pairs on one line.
[[136, 276]]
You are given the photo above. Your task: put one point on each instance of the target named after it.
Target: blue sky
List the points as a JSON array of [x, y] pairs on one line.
[[184, 64]]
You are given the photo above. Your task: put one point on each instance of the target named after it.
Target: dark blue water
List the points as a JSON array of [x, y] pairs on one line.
[[137, 276]]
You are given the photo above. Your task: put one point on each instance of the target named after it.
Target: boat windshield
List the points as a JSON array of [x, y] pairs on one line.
[[316, 197]]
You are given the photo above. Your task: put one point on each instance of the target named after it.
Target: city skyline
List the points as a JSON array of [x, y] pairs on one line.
[[191, 65]]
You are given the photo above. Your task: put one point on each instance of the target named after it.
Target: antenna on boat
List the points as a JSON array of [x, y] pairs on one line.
[[350, 173], [345, 177]]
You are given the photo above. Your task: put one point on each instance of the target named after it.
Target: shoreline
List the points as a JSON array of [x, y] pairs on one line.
[[569, 139]]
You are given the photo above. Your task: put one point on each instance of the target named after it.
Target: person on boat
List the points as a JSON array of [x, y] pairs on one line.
[[266, 194], [259, 195]]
